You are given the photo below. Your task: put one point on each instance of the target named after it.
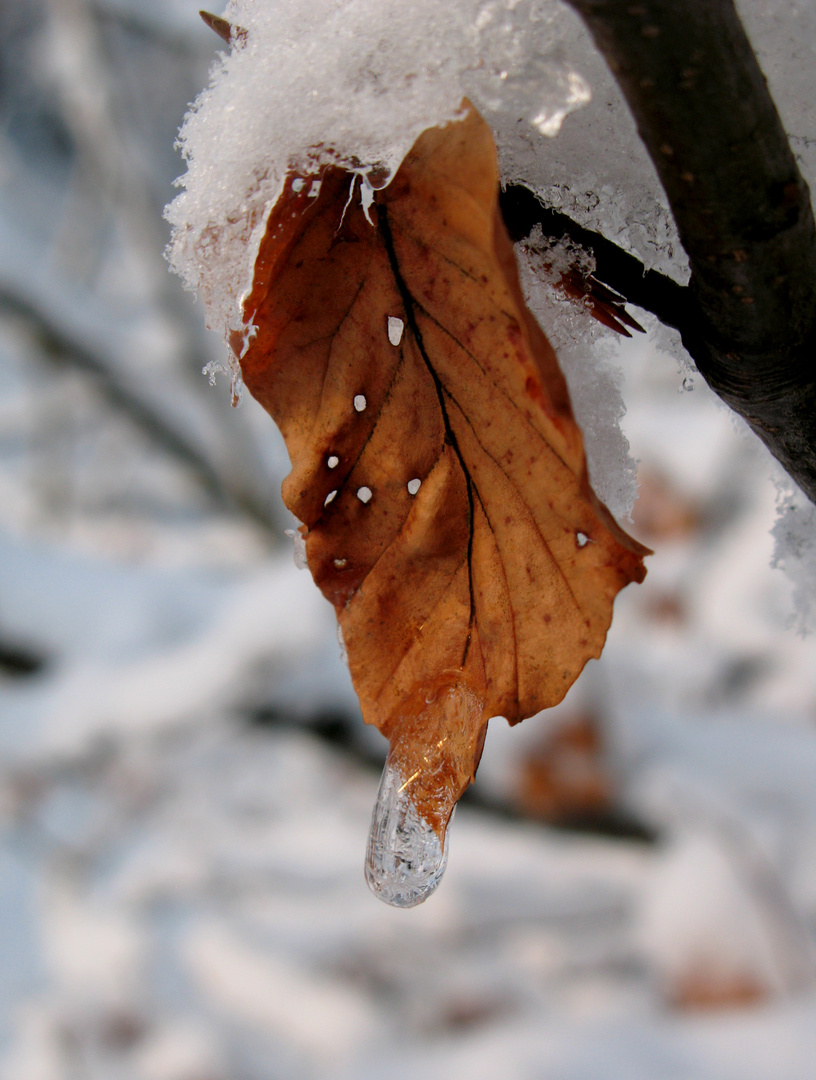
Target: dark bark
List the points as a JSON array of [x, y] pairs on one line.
[[742, 209]]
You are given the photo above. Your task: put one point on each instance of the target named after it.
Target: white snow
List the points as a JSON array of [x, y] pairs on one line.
[[587, 356], [795, 550], [356, 81]]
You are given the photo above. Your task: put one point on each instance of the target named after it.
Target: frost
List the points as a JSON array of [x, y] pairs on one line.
[[586, 353], [795, 552], [356, 82]]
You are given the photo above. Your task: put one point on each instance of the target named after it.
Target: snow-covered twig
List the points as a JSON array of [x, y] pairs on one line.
[[742, 208]]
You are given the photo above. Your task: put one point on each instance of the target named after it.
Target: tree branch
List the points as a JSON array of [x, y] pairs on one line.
[[741, 207], [654, 292]]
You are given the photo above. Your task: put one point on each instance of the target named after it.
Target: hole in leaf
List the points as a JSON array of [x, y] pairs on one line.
[[360, 402], [395, 328], [364, 494], [333, 461], [414, 485], [582, 539], [330, 497]]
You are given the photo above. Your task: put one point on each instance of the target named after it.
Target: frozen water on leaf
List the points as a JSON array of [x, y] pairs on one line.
[[366, 198], [405, 859], [299, 543], [229, 367]]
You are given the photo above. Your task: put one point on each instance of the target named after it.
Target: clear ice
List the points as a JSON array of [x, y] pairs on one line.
[[405, 859]]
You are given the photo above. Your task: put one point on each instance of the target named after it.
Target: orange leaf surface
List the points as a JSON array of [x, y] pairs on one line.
[[436, 464]]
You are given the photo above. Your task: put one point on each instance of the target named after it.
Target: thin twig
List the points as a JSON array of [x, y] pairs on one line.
[[522, 210]]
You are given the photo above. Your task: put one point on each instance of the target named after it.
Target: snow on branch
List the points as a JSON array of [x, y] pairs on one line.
[[741, 206]]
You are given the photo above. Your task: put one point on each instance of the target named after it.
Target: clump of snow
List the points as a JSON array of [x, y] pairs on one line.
[[586, 353], [795, 552], [357, 81]]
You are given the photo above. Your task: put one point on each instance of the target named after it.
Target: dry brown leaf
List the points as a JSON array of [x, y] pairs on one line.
[[396, 350]]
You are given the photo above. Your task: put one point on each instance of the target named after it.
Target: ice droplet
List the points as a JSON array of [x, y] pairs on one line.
[[360, 402], [299, 542], [405, 859], [366, 198], [414, 485], [395, 328]]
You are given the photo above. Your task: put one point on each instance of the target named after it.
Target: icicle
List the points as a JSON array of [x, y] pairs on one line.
[[405, 859], [428, 768]]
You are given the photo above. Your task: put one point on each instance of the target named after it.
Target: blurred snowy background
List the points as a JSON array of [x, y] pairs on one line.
[[186, 785]]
